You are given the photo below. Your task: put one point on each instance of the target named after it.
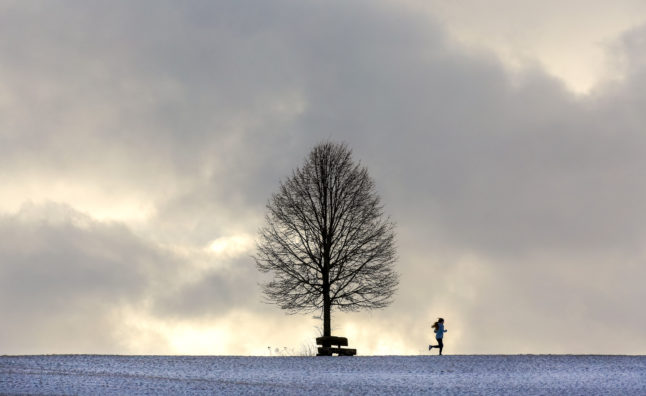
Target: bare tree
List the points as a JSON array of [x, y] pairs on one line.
[[326, 241]]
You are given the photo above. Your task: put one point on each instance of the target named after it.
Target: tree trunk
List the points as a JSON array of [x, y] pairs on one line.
[[327, 303], [327, 328], [327, 306]]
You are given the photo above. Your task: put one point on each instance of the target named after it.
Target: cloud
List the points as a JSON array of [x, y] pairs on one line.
[[163, 128], [69, 284], [62, 274], [569, 40]]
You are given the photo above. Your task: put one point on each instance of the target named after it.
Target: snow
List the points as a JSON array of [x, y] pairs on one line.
[[387, 375]]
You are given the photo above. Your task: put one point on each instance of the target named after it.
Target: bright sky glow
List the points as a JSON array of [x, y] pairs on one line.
[[572, 40], [232, 246]]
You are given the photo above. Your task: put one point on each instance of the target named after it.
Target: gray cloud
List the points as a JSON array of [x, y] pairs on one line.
[[64, 277], [62, 273], [518, 204], [214, 294]]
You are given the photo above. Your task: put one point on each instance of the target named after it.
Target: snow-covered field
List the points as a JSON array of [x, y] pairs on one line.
[[476, 375]]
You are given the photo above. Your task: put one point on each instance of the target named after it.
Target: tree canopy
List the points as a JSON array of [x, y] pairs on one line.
[[326, 240]]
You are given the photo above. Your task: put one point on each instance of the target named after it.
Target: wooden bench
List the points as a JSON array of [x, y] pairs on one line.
[[327, 349]]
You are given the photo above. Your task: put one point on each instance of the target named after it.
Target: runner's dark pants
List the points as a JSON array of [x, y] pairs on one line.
[[440, 344]]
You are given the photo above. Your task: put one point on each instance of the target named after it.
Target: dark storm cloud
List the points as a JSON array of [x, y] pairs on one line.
[[200, 108], [500, 167], [139, 90]]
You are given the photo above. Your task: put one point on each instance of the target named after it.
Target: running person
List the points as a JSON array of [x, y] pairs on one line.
[[438, 327]]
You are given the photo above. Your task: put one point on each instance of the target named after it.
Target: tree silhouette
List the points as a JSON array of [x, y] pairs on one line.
[[326, 241]]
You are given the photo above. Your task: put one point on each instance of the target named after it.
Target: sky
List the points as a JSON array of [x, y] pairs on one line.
[[140, 142]]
